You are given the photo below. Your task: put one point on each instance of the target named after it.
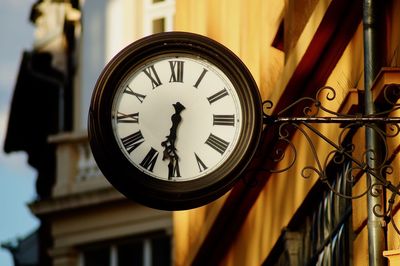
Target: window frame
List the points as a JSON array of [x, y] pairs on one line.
[[154, 11], [113, 246]]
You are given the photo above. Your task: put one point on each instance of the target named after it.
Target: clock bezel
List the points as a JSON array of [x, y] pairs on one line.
[[137, 185]]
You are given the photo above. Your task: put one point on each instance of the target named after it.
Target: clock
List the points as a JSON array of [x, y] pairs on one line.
[[174, 120]]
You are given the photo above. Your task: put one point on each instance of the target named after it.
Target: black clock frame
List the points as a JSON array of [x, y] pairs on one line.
[[135, 184]]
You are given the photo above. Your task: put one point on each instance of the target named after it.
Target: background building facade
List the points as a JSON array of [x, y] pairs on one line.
[[292, 48], [77, 207]]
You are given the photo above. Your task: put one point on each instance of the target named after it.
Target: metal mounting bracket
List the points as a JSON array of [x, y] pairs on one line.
[[314, 112]]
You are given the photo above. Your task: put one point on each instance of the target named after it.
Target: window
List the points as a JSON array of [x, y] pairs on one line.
[[159, 25], [147, 250], [320, 233], [107, 27], [330, 225], [158, 16]]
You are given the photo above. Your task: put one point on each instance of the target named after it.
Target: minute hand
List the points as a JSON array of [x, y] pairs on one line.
[[170, 151]]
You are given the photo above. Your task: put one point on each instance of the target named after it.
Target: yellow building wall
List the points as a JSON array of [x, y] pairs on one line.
[[248, 28]]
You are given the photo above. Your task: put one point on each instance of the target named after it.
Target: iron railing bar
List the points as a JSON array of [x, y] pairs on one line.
[[332, 120]]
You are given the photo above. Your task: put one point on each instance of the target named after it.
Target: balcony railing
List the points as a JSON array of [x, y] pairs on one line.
[[77, 171]]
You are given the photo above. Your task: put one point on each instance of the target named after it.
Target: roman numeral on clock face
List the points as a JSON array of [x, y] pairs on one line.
[[217, 143], [224, 120], [176, 71], [217, 96], [132, 141], [150, 159], [173, 170], [196, 85], [127, 118], [140, 97], [200, 163], [151, 73]]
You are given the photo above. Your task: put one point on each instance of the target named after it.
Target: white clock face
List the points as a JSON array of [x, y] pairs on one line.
[[177, 118]]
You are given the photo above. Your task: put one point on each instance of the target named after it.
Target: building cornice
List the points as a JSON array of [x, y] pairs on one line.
[[72, 202]]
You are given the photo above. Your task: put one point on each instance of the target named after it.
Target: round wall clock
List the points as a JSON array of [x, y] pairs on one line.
[[174, 120]]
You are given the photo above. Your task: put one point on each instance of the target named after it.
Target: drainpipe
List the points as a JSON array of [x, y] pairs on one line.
[[373, 25]]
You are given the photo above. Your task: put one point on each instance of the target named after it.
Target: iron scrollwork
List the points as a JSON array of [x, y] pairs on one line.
[[340, 149]]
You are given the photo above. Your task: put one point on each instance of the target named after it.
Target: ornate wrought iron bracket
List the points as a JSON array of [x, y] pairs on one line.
[[314, 112]]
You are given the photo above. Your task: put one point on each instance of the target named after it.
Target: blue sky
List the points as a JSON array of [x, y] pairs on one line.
[[17, 179]]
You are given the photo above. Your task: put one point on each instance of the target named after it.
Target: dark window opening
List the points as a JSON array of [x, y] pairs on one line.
[[320, 233], [144, 250], [159, 25]]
